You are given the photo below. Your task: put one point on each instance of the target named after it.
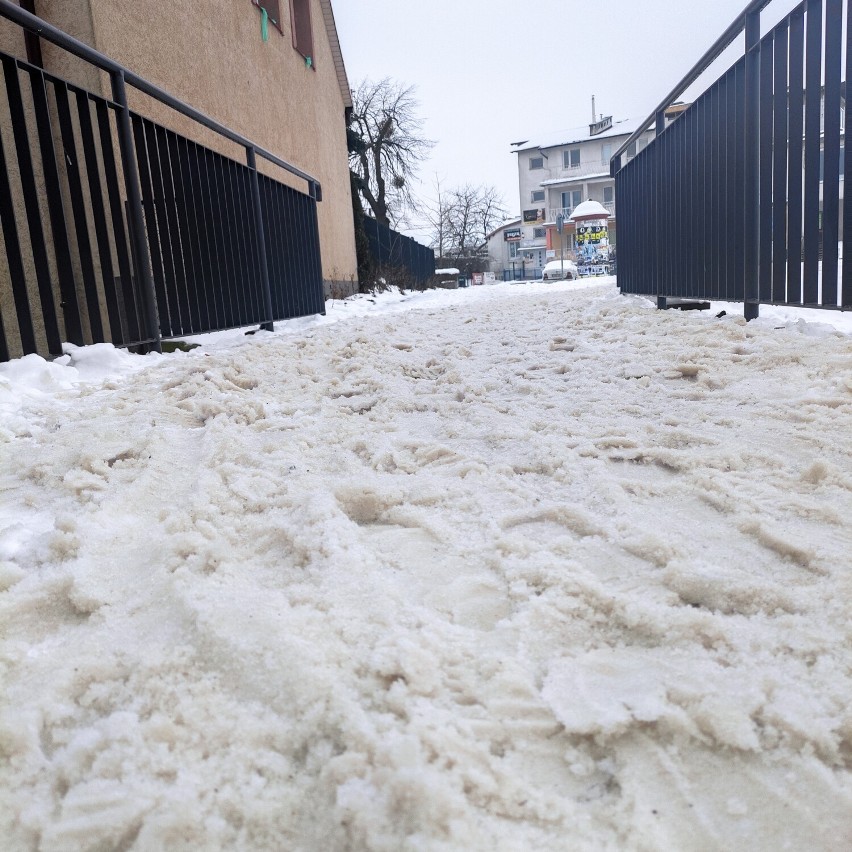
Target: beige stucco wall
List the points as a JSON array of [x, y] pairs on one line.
[[210, 54]]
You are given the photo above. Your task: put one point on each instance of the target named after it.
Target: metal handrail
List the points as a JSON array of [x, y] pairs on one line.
[[718, 47], [43, 29]]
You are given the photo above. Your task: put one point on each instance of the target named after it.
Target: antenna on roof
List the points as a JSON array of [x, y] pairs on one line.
[[594, 113]]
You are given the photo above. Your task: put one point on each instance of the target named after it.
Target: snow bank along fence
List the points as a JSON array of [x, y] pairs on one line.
[[117, 229], [394, 251], [741, 197]]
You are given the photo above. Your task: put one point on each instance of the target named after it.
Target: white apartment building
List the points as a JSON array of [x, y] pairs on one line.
[[556, 174]]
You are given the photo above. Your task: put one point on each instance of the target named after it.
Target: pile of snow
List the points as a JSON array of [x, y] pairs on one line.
[[530, 567]]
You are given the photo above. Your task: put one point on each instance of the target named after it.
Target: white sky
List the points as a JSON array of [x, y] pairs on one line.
[[491, 72]]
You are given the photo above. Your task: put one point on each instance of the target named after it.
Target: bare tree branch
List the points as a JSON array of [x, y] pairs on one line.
[[384, 118]]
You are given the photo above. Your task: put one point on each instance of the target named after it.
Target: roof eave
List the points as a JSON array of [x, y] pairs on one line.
[[337, 55]]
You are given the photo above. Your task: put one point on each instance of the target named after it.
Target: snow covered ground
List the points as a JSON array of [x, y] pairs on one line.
[[522, 567]]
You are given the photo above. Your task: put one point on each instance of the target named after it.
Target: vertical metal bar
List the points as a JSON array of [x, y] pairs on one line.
[[723, 242], [146, 161], [135, 215], [131, 317], [166, 200], [214, 165], [317, 303], [794, 163], [56, 213], [779, 154], [276, 248], [186, 230], [751, 143], [846, 288], [249, 231], [32, 42], [812, 150], [78, 211], [201, 199], [26, 332], [31, 205], [237, 247], [701, 107], [765, 171], [232, 245], [251, 161], [96, 201], [167, 191], [831, 168]]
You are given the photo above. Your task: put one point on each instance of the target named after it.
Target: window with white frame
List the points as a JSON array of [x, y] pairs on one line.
[[536, 163], [606, 152], [609, 194], [538, 233], [571, 158], [537, 195], [513, 250]]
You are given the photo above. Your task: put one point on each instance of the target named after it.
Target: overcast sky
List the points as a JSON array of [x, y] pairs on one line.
[[491, 72]]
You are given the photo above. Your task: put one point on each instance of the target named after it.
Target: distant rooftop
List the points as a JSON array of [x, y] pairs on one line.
[[573, 135]]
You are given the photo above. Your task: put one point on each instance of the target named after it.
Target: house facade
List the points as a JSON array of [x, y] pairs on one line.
[[503, 248], [271, 70], [558, 173]]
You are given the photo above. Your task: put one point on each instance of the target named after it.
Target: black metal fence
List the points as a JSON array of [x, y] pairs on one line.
[[118, 229], [394, 251], [741, 197]]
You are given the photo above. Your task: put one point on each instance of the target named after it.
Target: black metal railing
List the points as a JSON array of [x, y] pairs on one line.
[[118, 229], [391, 250], [741, 197]]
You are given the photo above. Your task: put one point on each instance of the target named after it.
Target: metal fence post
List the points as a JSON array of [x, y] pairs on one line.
[[251, 161], [660, 126], [751, 143], [136, 218]]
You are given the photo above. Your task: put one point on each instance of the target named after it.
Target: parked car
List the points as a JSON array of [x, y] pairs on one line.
[[556, 269]]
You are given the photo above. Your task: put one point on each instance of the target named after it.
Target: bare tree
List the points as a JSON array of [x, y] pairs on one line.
[[469, 214], [437, 215], [389, 147]]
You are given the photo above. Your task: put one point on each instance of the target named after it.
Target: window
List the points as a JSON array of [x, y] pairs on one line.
[[273, 10], [538, 233], [303, 36], [606, 152], [571, 159], [536, 163], [609, 194], [571, 199], [537, 195], [513, 250], [631, 150]]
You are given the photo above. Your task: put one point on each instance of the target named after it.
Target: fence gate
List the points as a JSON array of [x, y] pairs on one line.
[[741, 197], [118, 229]]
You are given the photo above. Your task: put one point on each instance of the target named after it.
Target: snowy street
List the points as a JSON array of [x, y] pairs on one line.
[[523, 567]]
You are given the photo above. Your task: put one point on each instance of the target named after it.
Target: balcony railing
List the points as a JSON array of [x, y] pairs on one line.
[[584, 169], [553, 212]]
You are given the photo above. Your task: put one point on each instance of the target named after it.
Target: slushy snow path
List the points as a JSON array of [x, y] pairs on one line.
[[535, 568]]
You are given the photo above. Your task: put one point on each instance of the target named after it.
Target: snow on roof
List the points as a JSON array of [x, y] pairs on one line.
[[589, 208], [624, 127], [448, 270], [575, 178]]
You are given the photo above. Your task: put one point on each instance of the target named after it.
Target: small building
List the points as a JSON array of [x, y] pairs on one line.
[[504, 256]]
